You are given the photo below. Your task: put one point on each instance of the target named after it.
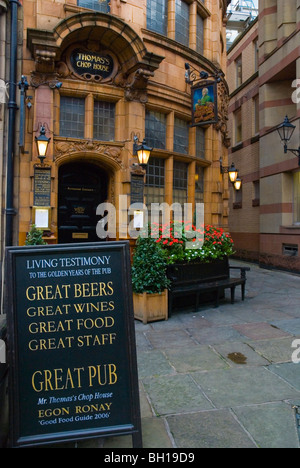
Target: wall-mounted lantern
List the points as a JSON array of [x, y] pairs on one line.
[[233, 174], [42, 143], [286, 130], [142, 151]]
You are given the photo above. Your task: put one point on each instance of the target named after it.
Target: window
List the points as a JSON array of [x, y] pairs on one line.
[[157, 16], [181, 136], [182, 22], [180, 182], [155, 180], [72, 112], [238, 126], [256, 114], [98, 5], [200, 34], [290, 250], [256, 193], [297, 198], [256, 55], [238, 199], [104, 121], [199, 185], [239, 71], [200, 143], [155, 132], [155, 183]]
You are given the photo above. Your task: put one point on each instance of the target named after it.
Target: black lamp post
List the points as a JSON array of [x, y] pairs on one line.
[[286, 131], [42, 143]]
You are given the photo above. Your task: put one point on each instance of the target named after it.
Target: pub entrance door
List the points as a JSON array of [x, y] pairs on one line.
[[82, 187]]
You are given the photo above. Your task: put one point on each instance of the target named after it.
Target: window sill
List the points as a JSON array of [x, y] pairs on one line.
[[237, 147]]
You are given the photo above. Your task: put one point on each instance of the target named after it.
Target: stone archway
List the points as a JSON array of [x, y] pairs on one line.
[[136, 64]]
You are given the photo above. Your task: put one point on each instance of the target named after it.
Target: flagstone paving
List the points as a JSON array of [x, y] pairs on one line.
[[223, 377]]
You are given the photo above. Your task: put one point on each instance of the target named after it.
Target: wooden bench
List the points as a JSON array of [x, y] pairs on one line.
[[213, 280]]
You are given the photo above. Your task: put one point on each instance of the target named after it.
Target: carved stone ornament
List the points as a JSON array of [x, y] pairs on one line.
[[39, 79], [64, 148], [136, 85], [223, 102]]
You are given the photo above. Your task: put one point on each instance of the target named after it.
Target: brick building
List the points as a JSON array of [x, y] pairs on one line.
[[243, 80], [100, 74], [263, 64]]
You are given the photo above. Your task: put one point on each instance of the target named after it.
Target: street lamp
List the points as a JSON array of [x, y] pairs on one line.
[[42, 143], [286, 131], [142, 151], [233, 174], [238, 184]]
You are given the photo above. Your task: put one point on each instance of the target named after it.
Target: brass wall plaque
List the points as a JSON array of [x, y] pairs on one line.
[[80, 235]]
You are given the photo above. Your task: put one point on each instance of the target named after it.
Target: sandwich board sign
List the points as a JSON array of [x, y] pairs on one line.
[[72, 353]]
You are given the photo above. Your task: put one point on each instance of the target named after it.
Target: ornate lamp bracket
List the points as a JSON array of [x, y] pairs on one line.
[[194, 76]]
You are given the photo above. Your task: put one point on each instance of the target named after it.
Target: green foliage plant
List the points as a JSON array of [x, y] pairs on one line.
[[35, 236], [149, 267]]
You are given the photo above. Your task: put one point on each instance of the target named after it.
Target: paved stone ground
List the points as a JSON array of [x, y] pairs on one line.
[[223, 377]]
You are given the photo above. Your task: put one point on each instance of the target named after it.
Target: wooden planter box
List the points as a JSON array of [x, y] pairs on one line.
[[151, 307]]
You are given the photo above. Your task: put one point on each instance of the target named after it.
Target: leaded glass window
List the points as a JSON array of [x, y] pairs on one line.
[[182, 22], [155, 187], [199, 184], [181, 136], [155, 181], [98, 5], [200, 143], [157, 16], [200, 34], [72, 112], [180, 182], [104, 121], [156, 125]]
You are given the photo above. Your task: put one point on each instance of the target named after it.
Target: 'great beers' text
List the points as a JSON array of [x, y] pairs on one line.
[[51, 293]]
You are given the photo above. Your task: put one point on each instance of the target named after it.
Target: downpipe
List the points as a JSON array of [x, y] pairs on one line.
[[12, 108]]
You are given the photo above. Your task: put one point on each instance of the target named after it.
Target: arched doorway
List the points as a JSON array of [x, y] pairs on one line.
[[82, 187]]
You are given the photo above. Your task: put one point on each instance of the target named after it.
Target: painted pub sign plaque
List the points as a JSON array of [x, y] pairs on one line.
[[73, 372], [205, 104], [88, 64]]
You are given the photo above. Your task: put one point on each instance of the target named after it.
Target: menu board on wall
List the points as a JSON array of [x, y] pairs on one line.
[[73, 371], [42, 187]]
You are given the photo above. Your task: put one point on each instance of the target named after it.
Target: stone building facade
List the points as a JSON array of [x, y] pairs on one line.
[[263, 66], [101, 74]]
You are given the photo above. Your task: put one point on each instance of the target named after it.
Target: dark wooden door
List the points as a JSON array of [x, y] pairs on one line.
[[82, 187]]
